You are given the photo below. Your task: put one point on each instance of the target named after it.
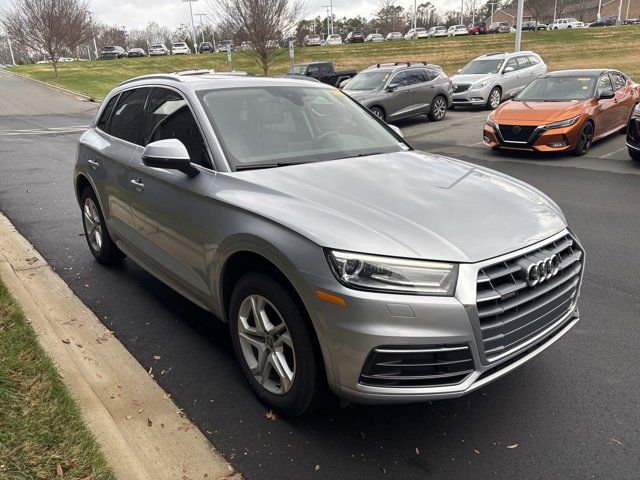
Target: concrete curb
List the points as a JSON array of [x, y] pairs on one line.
[[73, 93], [143, 434]]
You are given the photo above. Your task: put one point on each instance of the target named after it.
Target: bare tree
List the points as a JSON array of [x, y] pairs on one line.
[[539, 9], [264, 22], [50, 27]]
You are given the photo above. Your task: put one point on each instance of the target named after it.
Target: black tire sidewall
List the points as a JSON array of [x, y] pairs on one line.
[[109, 253], [382, 116], [309, 375], [576, 151]]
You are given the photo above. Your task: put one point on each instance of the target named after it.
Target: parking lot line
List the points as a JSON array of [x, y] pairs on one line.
[[613, 152]]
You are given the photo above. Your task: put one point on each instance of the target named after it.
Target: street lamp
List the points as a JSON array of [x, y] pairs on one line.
[[201, 27], [492, 5], [193, 28], [519, 25]]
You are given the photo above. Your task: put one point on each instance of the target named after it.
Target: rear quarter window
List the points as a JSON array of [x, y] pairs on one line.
[[127, 116], [103, 122]]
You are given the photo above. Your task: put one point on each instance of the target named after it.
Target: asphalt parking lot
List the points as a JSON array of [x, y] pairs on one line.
[[571, 413]]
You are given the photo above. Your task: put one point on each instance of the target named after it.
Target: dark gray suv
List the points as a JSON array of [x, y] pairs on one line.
[[393, 91]]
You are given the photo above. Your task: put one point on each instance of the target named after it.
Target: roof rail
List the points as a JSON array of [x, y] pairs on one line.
[[196, 71], [395, 64], [153, 76], [494, 53]]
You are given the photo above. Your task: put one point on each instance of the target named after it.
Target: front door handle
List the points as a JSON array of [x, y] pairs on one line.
[[137, 184], [93, 163]]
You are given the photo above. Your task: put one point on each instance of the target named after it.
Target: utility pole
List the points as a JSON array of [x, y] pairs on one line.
[[13, 60], [415, 13], [620, 12], [331, 3], [328, 7], [492, 5], [462, 12], [519, 25], [555, 9], [599, 9], [628, 5], [93, 34], [201, 28], [193, 28], [124, 31]]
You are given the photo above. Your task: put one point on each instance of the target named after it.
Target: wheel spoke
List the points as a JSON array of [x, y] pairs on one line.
[[281, 367], [284, 339], [259, 315]]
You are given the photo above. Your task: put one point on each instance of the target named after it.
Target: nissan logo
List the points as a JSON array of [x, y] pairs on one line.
[[543, 270], [516, 129]]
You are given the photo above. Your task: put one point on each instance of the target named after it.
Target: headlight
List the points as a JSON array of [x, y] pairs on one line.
[[393, 275], [491, 122], [561, 124], [479, 85]]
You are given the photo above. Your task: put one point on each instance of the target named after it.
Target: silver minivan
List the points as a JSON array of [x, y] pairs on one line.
[[489, 79]]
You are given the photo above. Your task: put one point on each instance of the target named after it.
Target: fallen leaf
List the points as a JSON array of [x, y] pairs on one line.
[[417, 451], [98, 375], [128, 417], [149, 422], [157, 357], [167, 395], [59, 472], [140, 411], [136, 403], [475, 450], [271, 416], [615, 440], [66, 340], [515, 445], [32, 260], [186, 427], [317, 467]]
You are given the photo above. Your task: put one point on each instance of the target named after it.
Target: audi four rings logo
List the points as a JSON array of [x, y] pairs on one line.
[[543, 270]]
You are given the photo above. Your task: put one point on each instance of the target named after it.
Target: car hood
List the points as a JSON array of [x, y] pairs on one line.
[[363, 95], [406, 204], [471, 78], [537, 113]]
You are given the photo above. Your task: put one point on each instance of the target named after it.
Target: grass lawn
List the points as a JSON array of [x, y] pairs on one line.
[[41, 431], [578, 48]]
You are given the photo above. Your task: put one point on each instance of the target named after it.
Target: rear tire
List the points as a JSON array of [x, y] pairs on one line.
[[279, 354], [438, 109], [634, 154], [584, 140], [100, 243], [378, 112]]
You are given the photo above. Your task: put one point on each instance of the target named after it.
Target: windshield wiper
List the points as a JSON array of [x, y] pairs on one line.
[[257, 166]]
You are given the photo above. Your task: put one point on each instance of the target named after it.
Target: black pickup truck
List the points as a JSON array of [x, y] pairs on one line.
[[323, 72]]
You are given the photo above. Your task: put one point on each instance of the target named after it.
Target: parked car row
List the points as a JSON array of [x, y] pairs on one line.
[[156, 49]]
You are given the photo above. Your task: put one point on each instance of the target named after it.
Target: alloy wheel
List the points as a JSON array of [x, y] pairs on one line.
[[439, 108], [494, 99], [92, 224], [586, 138], [266, 344]]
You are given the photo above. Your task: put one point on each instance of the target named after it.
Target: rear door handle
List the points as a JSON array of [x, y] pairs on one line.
[[137, 184], [93, 163]]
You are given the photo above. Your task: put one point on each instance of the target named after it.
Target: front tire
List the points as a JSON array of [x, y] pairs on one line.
[[634, 154], [585, 139], [438, 109], [495, 97], [100, 243], [275, 344]]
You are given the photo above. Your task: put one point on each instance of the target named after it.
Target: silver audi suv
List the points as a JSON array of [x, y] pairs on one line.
[[339, 256], [489, 79]]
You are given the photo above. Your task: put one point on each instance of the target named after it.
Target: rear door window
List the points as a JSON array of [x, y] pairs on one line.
[[399, 80], [604, 84], [127, 116], [523, 62], [415, 77]]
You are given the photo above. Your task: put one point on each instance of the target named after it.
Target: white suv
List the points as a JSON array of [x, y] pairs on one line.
[[180, 48], [563, 23]]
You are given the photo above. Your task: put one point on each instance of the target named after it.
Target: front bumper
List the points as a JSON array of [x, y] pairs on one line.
[[373, 322], [540, 140], [471, 98]]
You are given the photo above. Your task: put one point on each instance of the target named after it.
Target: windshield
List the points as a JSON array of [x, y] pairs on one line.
[[558, 89], [368, 81], [299, 70], [482, 67], [277, 124]]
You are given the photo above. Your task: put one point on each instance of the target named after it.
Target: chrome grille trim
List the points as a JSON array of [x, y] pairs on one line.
[[510, 313]]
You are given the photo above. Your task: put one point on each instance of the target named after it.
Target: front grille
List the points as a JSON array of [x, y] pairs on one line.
[[511, 311], [461, 87], [417, 366], [516, 133]]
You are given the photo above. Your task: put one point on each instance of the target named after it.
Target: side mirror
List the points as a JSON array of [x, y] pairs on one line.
[[170, 154], [344, 83], [396, 130], [508, 70], [606, 95], [391, 88]]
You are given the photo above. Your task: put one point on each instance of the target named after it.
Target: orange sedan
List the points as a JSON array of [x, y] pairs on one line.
[[563, 111]]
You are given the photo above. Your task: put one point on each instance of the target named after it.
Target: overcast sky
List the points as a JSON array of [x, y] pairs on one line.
[[138, 13]]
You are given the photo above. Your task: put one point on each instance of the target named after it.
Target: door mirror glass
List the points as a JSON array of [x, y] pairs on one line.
[[170, 154]]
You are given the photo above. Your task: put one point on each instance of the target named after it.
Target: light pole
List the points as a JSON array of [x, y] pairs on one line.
[[555, 9], [519, 25], [462, 12], [193, 28], [620, 12], [599, 9], [13, 60], [93, 34], [415, 14], [328, 7], [201, 28], [492, 5]]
